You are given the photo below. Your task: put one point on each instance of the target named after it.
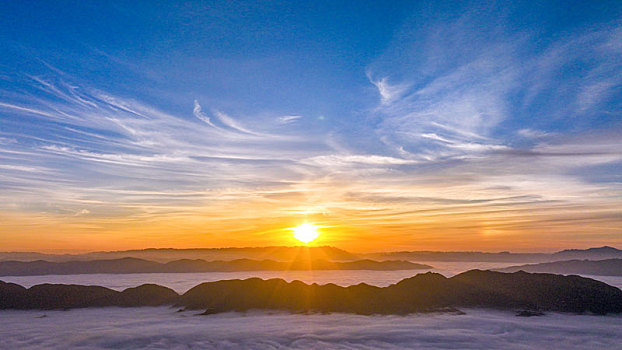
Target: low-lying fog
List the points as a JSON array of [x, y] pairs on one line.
[[163, 328], [181, 282]]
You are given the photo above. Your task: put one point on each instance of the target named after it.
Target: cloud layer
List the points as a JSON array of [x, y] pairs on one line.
[[157, 328]]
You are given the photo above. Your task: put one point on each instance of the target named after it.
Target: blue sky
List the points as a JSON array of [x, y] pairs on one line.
[[408, 125]]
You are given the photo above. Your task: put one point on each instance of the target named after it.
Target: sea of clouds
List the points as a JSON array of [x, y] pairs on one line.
[[163, 328]]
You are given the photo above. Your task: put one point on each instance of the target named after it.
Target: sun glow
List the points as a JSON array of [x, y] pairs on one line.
[[306, 233]]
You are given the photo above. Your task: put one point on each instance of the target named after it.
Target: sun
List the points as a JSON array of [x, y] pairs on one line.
[[306, 233]]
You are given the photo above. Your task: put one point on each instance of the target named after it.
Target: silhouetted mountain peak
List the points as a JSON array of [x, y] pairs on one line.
[[604, 267], [422, 278], [603, 249], [605, 252], [146, 294]]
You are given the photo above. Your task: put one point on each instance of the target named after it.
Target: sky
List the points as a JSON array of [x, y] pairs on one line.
[[401, 125]]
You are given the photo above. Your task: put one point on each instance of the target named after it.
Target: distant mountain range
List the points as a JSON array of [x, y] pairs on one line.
[[607, 267], [421, 293], [209, 254], [134, 265], [319, 253], [590, 254]]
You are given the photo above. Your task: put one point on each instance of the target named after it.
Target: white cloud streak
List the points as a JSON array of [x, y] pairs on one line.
[[289, 118], [199, 114], [388, 92]]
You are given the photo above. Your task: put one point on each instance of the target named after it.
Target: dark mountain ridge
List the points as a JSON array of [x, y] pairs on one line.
[[318, 253], [135, 265], [421, 293], [69, 296], [607, 267], [507, 257], [600, 253], [169, 254]]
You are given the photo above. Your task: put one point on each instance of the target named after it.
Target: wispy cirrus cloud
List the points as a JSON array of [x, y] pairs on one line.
[[389, 92], [198, 112], [289, 118], [465, 96]]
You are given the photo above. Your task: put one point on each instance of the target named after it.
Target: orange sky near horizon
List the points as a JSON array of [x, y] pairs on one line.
[[362, 227], [360, 214]]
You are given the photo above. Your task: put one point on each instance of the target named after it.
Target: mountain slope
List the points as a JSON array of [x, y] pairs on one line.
[[607, 267], [601, 253], [421, 293]]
